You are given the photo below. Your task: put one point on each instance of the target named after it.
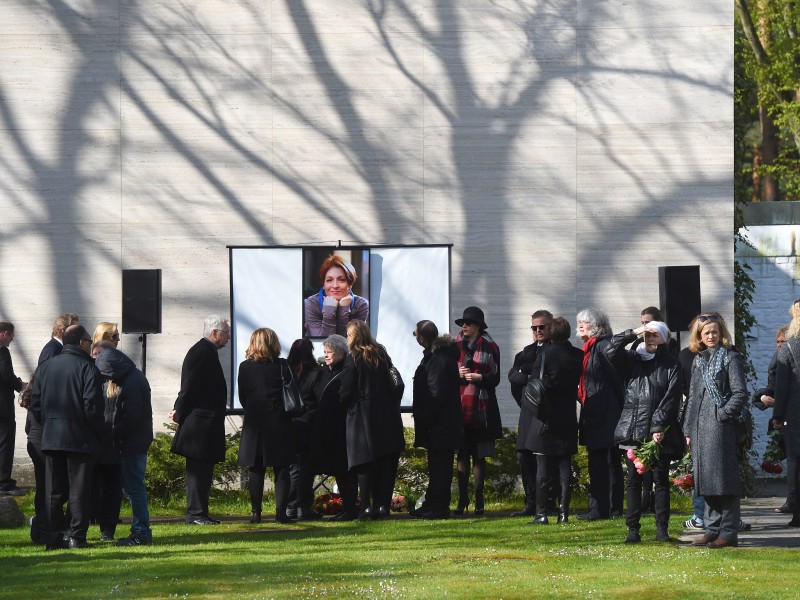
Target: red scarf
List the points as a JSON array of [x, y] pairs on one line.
[[587, 353]]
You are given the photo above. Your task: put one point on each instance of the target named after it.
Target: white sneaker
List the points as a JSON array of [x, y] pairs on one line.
[[693, 523]]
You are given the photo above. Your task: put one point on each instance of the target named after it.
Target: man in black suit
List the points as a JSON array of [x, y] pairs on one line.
[[9, 383], [200, 414], [55, 345], [518, 376], [67, 399]]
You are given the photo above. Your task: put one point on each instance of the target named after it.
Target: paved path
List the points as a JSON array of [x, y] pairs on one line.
[[769, 528]]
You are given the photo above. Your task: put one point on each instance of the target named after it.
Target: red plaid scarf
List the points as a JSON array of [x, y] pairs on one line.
[[475, 398], [587, 353]]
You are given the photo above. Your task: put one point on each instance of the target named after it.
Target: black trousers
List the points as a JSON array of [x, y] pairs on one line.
[[376, 481], [39, 505], [107, 496], [440, 476], [347, 482], [199, 477], [281, 483], [8, 434], [68, 477], [660, 479], [301, 484], [527, 469], [792, 476], [606, 483]]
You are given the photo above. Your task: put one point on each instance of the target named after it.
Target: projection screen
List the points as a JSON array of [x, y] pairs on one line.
[[406, 284]]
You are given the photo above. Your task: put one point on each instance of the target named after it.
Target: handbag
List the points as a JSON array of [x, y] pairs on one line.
[[535, 395], [293, 404], [398, 385]]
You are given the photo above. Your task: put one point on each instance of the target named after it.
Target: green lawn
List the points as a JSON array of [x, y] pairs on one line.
[[489, 557]]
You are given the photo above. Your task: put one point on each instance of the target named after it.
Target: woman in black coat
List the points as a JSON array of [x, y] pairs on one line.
[[552, 435], [374, 425], [652, 381], [600, 395], [301, 491], [437, 416], [267, 437]]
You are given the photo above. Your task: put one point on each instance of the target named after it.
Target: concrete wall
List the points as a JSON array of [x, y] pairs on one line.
[[565, 148]]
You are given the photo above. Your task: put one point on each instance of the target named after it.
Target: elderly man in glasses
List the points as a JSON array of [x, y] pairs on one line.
[[67, 399], [518, 376]]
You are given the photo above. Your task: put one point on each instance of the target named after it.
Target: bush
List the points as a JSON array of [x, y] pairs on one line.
[[165, 475]]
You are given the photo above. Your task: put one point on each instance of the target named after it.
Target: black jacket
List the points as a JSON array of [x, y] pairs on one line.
[[437, 397], [50, 349], [521, 370], [267, 434], [374, 424], [600, 411], [652, 396], [9, 383], [556, 432], [132, 418], [67, 399], [200, 405], [328, 450], [303, 425]]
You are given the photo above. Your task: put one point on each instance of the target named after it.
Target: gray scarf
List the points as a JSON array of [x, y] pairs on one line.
[[709, 369]]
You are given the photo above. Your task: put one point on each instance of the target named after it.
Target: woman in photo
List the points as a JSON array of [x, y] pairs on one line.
[[331, 309]]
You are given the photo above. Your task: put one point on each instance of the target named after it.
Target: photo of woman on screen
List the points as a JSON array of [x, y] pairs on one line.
[[331, 309]]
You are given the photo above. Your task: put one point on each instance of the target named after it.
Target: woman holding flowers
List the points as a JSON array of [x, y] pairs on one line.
[[718, 398], [786, 415], [649, 415]]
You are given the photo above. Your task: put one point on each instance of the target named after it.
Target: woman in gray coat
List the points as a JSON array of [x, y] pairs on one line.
[[786, 415], [717, 398]]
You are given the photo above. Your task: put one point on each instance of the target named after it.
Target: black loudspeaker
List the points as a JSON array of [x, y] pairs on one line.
[[679, 294], [141, 301]]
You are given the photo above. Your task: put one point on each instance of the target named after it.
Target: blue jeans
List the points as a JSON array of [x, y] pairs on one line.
[[133, 486], [699, 506]]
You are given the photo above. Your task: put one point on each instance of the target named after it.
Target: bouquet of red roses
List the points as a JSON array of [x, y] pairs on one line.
[[328, 504], [774, 453], [644, 456], [684, 482]]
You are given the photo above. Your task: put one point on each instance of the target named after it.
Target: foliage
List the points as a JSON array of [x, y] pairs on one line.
[[165, 473]]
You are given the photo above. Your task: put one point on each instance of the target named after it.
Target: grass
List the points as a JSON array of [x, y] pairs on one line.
[[490, 557]]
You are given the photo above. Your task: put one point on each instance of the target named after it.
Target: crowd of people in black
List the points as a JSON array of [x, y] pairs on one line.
[[90, 422]]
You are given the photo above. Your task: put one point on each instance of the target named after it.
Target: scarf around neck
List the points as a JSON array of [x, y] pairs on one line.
[[709, 369], [587, 353]]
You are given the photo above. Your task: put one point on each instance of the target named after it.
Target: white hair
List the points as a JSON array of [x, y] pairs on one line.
[[214, 323], [337, 343], [597, 320]]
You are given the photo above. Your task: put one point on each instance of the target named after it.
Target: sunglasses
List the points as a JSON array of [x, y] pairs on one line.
[[467, 322], [538, 327], [711, 317]]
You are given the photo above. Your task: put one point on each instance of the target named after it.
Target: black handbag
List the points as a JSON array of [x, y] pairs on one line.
[[398, 385], [293, 404], [534, 398]]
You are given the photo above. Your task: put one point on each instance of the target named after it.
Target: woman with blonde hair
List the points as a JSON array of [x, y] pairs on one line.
[[374, 425], [267, 438], [106, 332], [718, 397], [786, 414]]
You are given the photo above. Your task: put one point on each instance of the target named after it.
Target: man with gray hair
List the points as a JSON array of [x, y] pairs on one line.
[[199, 412]]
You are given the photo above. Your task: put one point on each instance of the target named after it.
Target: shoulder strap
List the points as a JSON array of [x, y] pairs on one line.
[[541, 368]]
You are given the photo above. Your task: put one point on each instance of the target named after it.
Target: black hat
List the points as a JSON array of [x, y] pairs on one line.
[[474, 314]]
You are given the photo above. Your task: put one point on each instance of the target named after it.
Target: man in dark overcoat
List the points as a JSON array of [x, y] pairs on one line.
[[67, 399], [519, 375], [56, 343], [9, 383], [437, 416], [199, 412]]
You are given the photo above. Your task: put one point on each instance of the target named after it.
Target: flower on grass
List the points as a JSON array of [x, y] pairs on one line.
[[398, 503]]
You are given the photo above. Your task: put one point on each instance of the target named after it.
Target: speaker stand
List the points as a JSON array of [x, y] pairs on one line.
[[143, 340]]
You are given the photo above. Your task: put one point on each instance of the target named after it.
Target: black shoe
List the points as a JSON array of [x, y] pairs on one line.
[[633, 537], [435, 515], [255, 517], [308, 515], [76, 543], [12, 491], [615, 514], [795, 522], [283, 519], [203, 521], [525, 512], [344, 516], [106, 536], [135, 539], [366, 514], [460, 510], [381, 513], [590, 517], [662, 535], [786, 509], [416, 512], [540, 520], [563, 517], [291, 513]]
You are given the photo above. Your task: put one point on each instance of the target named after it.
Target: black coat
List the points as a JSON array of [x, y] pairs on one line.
[[132, 418], [557, 433], [601, 410], [374, 424], [50, 349], [652, 397], [9, 383], [200, 405], [303, 425], [327, 453], [437, 398], [489, 382], [267, 435], [67, 399]]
